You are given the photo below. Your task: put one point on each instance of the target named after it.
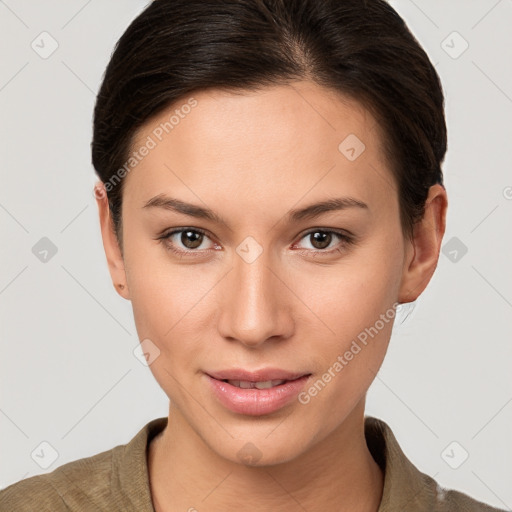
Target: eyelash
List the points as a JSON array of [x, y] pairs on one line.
[[346, 240]]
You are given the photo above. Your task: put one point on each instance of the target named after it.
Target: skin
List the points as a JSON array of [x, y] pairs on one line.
[[252, 158]]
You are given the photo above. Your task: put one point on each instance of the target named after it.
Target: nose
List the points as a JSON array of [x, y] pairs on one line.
[[256, 304]]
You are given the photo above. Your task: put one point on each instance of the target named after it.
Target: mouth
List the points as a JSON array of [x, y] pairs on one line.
[[266, 384], [256, 396], [259, 375]]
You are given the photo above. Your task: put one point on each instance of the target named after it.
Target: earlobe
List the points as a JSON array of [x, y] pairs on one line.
[[423, 250], [110, 243]]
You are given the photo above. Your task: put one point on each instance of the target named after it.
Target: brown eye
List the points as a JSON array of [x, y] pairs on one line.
[[325, 241], [188, 241], [191, 239], [320, 239]]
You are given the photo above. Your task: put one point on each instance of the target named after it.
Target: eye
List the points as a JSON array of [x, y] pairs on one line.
[[185, 240], [323, 240]]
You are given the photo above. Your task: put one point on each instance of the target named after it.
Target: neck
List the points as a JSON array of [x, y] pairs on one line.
[[338, 473]]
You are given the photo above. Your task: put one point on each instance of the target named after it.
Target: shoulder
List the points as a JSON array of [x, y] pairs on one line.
[[83, 484], [450, 500], [429, 496], [405, 486], [115, 479]]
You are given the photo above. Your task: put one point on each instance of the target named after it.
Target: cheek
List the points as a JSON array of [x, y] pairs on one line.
[[172, 305], [354, 292], [359, 314], [356, 303], [163, 304], [166, 308]]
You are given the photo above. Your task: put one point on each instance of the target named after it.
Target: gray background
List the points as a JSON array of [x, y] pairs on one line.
[[68, 373]]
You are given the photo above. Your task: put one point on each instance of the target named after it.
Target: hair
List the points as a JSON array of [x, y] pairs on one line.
[[359, 48]]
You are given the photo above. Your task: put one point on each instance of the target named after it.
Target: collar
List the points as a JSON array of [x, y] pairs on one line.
[[405, 487]]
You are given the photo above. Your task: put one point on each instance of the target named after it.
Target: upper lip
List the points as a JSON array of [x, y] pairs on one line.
[[261, 375]]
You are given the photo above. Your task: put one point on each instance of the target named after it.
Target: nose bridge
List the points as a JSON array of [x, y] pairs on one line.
[[253, 307]]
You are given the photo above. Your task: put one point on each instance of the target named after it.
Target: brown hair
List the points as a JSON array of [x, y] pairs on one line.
[[360, 48]]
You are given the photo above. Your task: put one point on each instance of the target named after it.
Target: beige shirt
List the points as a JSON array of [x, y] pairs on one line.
[[117, 480]]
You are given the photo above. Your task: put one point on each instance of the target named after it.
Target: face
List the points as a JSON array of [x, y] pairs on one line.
[[265, 280]]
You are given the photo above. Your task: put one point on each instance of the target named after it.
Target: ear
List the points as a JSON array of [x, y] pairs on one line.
[[422, 252], [110, 243]]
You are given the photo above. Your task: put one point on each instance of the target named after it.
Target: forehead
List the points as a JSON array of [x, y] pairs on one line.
[[281, 139]]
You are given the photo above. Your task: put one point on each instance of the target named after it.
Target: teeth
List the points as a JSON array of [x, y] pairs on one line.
[[269, 384], [244, 384]]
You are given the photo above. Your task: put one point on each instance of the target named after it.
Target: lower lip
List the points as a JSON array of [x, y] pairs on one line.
[[256, 402]]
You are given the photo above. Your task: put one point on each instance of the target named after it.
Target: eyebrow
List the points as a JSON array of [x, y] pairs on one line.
[[307, 213]]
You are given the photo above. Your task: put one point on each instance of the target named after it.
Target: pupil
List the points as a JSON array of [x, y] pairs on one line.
[[193, 241], [323, 239]]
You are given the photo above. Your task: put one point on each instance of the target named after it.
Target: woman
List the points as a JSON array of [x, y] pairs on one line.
[[271, 190]]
